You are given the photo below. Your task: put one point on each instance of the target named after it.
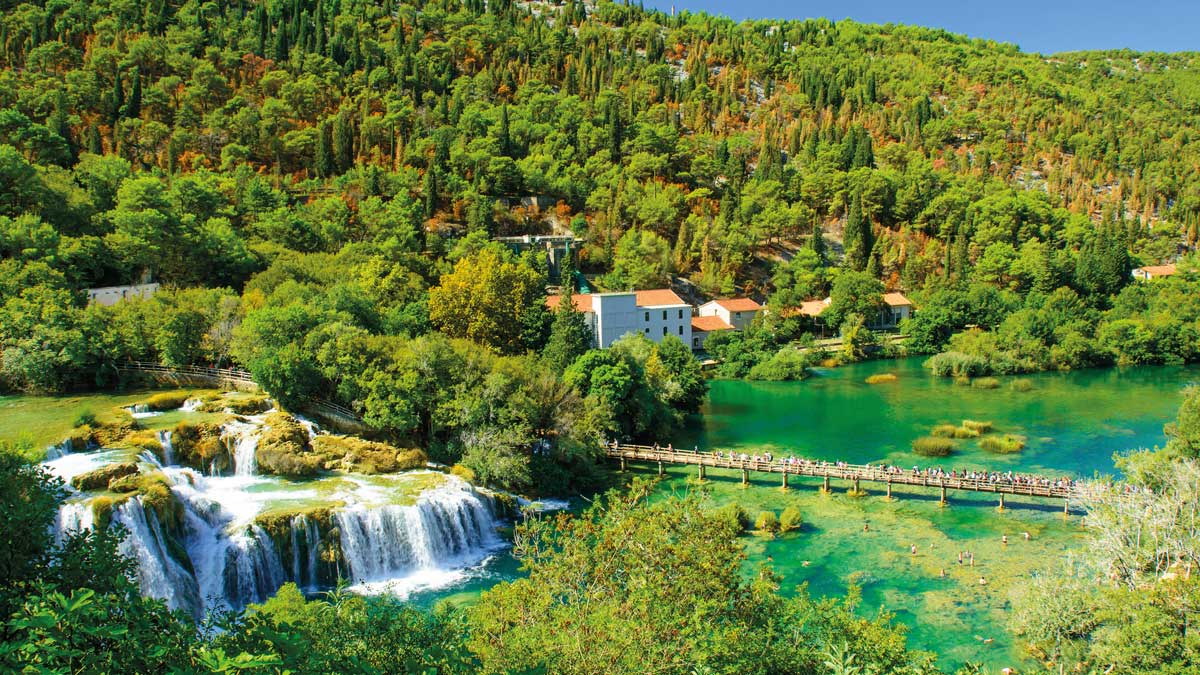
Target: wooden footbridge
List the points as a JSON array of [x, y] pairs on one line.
[[1001, 486]]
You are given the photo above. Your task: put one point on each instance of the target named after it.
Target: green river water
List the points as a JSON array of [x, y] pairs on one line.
[[1073, 422]]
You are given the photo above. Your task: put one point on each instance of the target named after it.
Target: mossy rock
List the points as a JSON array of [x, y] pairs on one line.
[[102, 508], [237, 404], [463, 472], [200, 447], [155, 491], [284, 449], [82, 438], [347, 453], [145, 440], [100, 479], [171, 400], [113, 431]]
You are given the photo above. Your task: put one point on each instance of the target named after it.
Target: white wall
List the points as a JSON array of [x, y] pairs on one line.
[[111, 295], [618, 314]]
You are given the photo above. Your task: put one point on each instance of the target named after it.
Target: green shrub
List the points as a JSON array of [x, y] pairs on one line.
[[169, 400], [962, 381], [932, 446], [882, 378], [957, 364], [463, 473], [85, 418], [248, 405], [734, 516], [1003, 445], [986, 383], [1021, 385], [766, 522], [100, 479], [145, 440], [411, 458], [790, 519]]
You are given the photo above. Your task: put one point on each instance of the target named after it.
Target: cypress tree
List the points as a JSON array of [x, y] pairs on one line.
[[505, 140], [857, 236], [133, 109], [323, 165], [343, 143], [117, 99], [94, 144], [431, 190]]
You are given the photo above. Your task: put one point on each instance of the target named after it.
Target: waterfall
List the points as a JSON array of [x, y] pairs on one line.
[[168, 452], [72, 516], [448, 526], [244, 436], [61, 450], [160, 574], [306, 540], [191, 405]]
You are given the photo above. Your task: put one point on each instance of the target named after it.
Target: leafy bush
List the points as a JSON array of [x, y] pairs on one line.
[[766, 522], [932, 446], [945, 431], [986, 383], [957, 364], [463, 473], [1003, 445], [734, 516], [881, 378], [790, 519], [786, 364], [85, 418]]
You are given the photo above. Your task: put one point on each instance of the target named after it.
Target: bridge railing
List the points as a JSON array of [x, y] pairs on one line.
[[1036, 486]]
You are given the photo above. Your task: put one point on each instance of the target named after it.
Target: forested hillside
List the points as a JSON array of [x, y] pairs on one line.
[[315, 183]]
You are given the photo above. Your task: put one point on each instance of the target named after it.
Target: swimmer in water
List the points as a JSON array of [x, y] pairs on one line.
[[804, 563], [1026, 535], [1004, 539], [866, 527], [960, 557], [914, 549], [982, 581], [943, 573]]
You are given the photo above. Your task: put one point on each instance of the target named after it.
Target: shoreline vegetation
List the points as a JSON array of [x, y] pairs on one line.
[[332, 196]]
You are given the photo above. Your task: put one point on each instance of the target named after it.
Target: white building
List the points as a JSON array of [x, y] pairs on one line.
[[655, 314], [895, 309], [737, 312], [1150, 272], [111, 295]]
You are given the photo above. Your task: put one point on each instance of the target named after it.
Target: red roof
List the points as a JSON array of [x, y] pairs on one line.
[[582, 301], [708, 324], [658, 298], [1152, 271], [739, 305], [813, 307], [896, 300]]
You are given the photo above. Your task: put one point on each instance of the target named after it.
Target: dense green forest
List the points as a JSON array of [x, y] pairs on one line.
[[305, 176]]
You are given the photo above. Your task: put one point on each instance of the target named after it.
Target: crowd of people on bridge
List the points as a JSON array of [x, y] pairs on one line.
[[882, 470]]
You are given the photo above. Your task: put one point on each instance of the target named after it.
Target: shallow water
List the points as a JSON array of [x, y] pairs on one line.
[[1073, 423]]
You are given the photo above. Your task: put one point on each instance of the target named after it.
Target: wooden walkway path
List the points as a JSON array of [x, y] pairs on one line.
[[853, 473]]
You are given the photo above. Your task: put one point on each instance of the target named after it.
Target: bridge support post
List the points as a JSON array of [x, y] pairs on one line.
[[660, 468], [1001, 507], [856, 490], [745, 477], [825, 486], [622, 465], [785, 485], [889, 490], [701, 472], [1066, 508], [942, 501]]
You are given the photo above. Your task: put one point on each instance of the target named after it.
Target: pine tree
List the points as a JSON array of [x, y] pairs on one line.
[[117, 99], [94, 144], [506, 148], [817, 242]]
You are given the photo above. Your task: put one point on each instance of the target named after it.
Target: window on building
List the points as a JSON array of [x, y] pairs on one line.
[[647, 329], [664, 315], [664, 331], [737, 314], [647, 316], [681, 313], [681, 330], [695, 342]]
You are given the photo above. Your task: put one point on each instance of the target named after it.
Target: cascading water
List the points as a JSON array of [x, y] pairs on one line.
[[168, 450], [448, 526], [219, 556], [244, 438]]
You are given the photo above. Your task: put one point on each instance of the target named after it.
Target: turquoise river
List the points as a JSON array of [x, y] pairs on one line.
[[1072, 423]]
